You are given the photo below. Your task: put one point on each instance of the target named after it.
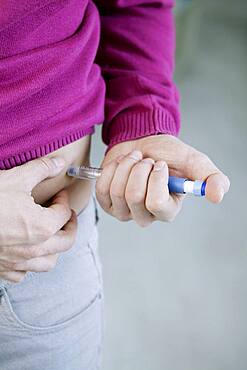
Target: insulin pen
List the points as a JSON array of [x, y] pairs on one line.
[[175, 184]]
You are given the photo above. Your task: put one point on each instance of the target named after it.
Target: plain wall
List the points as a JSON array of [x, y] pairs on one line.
[[176, 294]]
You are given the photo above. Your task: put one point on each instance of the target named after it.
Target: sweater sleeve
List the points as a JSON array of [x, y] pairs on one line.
[[136, 56]]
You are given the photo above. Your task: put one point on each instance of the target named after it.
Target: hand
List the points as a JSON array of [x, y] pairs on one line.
[[133, 185], [31, 236]]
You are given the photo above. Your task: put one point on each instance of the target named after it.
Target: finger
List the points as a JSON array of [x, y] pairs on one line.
[[136, 189], [13, 276], [158, 200], [48, 262], [103, 183], [200, 167], [120, 208], [60, 203], [40, 264], [58, 243], [57, 214], [28, 175], [37, 223], [36, 226], [62, 241], [217, 186]]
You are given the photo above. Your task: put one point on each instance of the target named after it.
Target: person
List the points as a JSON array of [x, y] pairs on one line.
[[66, 66]]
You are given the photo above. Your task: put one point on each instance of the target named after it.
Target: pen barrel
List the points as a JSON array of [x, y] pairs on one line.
[[176, 184]]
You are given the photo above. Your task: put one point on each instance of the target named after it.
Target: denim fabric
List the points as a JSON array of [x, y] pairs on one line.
[[54, 320]]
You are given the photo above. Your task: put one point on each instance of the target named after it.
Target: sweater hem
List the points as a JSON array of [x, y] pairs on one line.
[[43, 149]]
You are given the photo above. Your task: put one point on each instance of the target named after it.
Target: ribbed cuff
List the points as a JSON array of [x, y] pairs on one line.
[[133, 125]]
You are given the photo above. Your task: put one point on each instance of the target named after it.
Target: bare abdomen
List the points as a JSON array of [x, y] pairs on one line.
[[76, 153]]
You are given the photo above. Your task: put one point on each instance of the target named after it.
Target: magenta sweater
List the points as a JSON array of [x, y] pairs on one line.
[[66, 65]]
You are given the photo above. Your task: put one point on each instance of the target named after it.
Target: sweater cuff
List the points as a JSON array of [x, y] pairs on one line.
[[134, 125]]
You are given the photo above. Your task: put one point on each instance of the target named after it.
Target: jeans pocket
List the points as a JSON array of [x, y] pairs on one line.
[[50, 301], [14, 319]]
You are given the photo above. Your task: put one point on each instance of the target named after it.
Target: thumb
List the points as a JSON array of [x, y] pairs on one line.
[[33, 172], [200, 167]]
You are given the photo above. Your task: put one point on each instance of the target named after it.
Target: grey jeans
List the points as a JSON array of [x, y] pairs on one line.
[[54, 320]]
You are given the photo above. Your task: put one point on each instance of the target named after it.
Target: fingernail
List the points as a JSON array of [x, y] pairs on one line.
[[159, 165], [136, 155], [58, 162], [148, 160]]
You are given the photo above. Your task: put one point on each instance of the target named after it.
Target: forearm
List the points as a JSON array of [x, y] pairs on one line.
[[136, 55]]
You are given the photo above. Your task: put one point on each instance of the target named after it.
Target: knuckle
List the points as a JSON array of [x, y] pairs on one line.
[[134, 197], [155, 205]]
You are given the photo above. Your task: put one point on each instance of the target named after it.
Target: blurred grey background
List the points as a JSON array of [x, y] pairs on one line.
[[176, 294]]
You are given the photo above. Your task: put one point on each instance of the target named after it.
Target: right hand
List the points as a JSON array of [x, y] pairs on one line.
[[32, 235]]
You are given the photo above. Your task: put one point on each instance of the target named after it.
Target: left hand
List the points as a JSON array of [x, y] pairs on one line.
[[133, 183]]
